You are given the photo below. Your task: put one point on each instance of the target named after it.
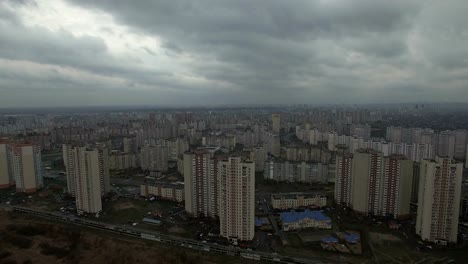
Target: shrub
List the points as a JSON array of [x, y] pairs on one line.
[[28, 230], [8, 261], [4, 254], [50, 250], [18, 241]]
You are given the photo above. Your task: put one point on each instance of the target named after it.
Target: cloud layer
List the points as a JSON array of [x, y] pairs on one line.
[[118, 52]]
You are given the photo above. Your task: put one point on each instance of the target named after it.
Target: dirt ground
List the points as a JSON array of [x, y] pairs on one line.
[[26, 240], [382, 238], [123, 205], [176, 230]]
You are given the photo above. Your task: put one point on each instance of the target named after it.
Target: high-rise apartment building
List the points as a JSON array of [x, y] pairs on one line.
[[396, 188], [439, 200], [394, 134], [201, 183], [237, 198], [4, 167], [276, 123], [258, 155], [154, 157], [466, 157], [360, 130], [415, 184], [25, 167], [344, 170], [87, 176], [129, 145], [365, 182], [374, 185], [122, 161], [271, 143], [461, 137], [446, 144]]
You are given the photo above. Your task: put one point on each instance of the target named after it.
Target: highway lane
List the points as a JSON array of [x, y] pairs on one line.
[[166, 239]]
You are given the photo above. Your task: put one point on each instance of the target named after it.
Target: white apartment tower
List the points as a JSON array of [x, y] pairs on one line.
[[276, 123], [24, 166], [87, 176], [237, 198], [439, 200], [374, 185]]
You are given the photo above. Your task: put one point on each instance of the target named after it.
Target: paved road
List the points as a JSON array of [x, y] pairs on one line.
[[166, 239], [267, 197]]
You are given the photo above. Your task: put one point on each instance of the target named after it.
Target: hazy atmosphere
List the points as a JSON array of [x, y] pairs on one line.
[[116, 52]]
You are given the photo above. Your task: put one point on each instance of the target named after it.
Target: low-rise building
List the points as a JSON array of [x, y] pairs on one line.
[[285, 201], [279, 170], [167, 191], [307, 219]]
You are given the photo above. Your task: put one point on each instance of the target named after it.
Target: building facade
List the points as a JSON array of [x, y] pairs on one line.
[[284, 201], [344, 172], [201, 183], [276, 123], [171, 192], [87, 176], [25, 167], [154, 158], [296, 172], [439, 200], [237, 198], [301, 220], [20, 165], [5, 178], [374, 185], [122, 161], [258, 155]]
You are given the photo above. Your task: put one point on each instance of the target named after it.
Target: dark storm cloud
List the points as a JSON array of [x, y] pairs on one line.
[[266, 45], [255, 51]]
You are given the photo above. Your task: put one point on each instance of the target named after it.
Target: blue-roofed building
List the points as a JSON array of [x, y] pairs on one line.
[[260, 222], [330, 240], [307, 219], [351, 238]]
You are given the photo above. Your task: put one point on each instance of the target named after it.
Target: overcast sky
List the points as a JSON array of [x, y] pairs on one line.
[[170, 52]]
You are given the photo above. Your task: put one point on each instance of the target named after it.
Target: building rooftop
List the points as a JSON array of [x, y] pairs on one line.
[[175, 185], [351, 237], [294, 195], [152, 221], [330, 240], [260, 221], [291, 217]]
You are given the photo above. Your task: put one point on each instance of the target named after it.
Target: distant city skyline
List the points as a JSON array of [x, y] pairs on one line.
[[56, 53]]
